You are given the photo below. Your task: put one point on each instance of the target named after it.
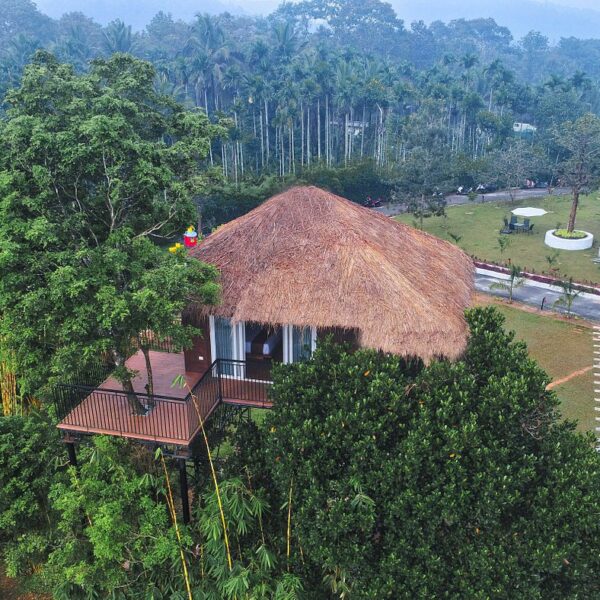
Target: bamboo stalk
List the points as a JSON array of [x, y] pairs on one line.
[[214, 477], [289, 524]]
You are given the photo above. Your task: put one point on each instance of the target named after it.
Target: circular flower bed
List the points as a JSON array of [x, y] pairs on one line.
[[565, 234], [563, 240]]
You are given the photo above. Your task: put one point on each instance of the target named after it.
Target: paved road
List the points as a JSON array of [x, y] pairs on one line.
[[501, 196], [587, 306]]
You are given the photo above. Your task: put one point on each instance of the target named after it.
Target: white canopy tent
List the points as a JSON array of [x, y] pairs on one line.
[[529, 211]]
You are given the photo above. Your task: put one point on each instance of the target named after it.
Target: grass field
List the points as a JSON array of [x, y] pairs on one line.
[[478, 226], [561, 348]]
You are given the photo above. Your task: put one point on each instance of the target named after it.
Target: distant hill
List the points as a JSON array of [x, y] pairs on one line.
[[137, 13]]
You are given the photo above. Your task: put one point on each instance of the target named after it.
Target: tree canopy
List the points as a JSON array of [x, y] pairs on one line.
[[408, 480], [95, 170]]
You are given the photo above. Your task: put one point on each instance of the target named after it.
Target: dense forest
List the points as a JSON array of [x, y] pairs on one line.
[[317, 86]]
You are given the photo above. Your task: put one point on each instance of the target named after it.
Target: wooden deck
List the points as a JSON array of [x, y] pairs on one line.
[[245, 392], [166, 366], [170, 421], [171, 417]]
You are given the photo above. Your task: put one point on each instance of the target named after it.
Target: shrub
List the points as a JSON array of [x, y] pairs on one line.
[[569, 235], [411, 481]]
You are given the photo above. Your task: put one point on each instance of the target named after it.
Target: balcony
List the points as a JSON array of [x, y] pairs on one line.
[[171, 415]]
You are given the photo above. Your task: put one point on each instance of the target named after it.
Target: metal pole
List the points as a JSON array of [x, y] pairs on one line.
[[220, 388], [185, 503], [72, 454]]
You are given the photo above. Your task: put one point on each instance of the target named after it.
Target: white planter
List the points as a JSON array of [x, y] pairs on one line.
[[564, 244]]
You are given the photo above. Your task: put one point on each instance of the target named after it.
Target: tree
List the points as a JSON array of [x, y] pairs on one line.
[[514, 281], [29, 447], [423, 207], [511, 167], [503, 244], [569, 295], [401, 475], [21, 17], [118, 37], [579, 169], [87, 188], [552, 260], [107, 528]]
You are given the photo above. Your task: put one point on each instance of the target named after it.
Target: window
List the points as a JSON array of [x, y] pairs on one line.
[[227, 341], [298, 343]]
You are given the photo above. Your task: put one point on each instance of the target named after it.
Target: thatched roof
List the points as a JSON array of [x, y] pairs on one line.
[[309, 258]]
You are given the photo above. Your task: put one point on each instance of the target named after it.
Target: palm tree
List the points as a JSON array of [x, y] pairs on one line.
[[569, 295], [287, 41], [556, 82], [468, 61], [118, 37], [207, 39], [514, 281]]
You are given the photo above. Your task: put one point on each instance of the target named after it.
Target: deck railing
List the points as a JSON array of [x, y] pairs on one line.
[[244, 382], [90, 409], [115, 412]]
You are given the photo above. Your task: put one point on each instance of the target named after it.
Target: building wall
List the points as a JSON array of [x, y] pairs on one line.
[[198, 358]]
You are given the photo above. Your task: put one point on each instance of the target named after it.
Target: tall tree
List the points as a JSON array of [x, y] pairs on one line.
[[94, 171], [579, 142]]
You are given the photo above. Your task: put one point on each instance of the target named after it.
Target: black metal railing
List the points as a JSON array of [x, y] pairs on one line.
[[92, 409], [116, 412], [203, 398], [244, 382]]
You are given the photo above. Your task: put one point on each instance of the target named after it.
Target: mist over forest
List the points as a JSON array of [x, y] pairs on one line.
[[560, 18]]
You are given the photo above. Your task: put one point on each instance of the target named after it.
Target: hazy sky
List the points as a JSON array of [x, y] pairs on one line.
[[55, 7], [556, 18]]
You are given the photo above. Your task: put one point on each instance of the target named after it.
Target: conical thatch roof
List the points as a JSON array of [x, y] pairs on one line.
[[309, 258]]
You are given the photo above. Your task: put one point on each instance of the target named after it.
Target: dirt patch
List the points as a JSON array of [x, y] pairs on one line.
[[9, 589], [569, 377]]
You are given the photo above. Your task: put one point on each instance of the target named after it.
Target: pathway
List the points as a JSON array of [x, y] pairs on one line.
[[569, 377], [501, 196], [586, 306]]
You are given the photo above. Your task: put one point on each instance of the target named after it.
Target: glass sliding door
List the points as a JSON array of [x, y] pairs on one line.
[[298, 343], [227, 343]]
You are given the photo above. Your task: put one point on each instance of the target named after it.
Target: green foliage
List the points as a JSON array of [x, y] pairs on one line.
[[29, 451], [356, 181], [104, 530], [515, 280], [410, 480], [87, 188], [503, 244], [115, 538], [224, 201], [570, 292], [258, 568], [569, 235]]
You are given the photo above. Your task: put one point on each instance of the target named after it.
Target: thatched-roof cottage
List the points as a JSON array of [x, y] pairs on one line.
[[308, 262], [303, 264]]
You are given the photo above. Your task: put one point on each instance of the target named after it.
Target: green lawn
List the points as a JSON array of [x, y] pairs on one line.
[[561, 348], [479, 225]]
